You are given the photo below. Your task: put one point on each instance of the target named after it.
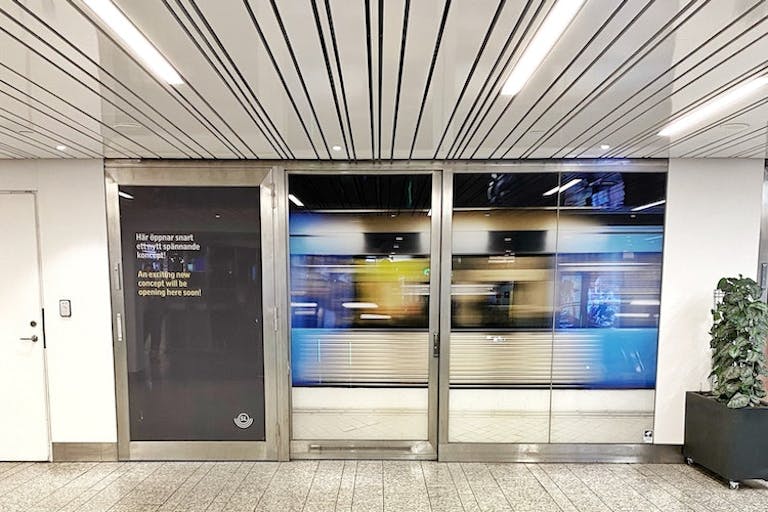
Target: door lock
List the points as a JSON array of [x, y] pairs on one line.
[[32, 338], [435, 344]]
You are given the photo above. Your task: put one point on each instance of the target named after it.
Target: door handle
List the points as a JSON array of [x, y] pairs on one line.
[[33, 338], [435, 344]]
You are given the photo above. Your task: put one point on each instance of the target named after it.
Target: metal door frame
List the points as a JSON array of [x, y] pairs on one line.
[[217, 174], [381, 449]]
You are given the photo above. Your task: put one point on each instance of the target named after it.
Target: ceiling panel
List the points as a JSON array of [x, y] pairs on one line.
[[379, 79]]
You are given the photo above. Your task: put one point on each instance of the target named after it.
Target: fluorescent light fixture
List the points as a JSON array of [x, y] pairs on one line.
[[360, 305], [61, 147], [134, 39], [565, 187], [371, 316], [124, 195], [295, 200], [545, 38], [336, 148], [649, 205], [714, 106], [605, 146]]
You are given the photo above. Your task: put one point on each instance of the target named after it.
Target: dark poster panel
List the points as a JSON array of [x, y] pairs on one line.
[[192, 278]]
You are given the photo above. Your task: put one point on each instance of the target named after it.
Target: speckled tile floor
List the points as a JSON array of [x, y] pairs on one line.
[[368, 486]]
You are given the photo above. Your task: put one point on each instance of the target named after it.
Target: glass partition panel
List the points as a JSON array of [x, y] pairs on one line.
[[504, 245], [193, 304], [359, 289], [609, 244]]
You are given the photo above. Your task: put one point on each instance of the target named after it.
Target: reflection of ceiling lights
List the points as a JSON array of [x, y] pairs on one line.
[[545, 38], [126, 125], [295, 200], [370, 316], [303, 304], [605, 146], [565, 187], [125, 195], [714, 106], [649, 205], [359, 305], [135, 40]]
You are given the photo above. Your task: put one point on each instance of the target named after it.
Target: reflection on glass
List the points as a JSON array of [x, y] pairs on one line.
[[555, 299], [360, 273], [192, 278], [608, 290], [504, 244]]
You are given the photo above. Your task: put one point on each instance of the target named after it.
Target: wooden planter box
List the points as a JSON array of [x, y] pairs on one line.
[[730, 442]]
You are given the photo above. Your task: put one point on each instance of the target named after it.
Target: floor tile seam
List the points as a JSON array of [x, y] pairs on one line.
[[338, 489], [697, 484], [628, 481], [30, 466], [17, 466], [352, 497], [538, 467], [456, 488], [309, 489], [496, 480], [383, 496], [617, 479], [269, 484], [95, 491], [55, 490], [85, 490], [587, 487], [181, 484], [662, 482], [240, 485], [726, 494], [193, 486], [469, 482], [129, 491], [426, 487], [354, 487], [225, 485], [469, 485]]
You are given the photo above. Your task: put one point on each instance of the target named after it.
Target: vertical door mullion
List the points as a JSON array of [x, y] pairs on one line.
[[118, 320], [445, 269], [434, 310]]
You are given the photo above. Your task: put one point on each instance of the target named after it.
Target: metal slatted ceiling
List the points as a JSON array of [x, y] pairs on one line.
[[277, 79]]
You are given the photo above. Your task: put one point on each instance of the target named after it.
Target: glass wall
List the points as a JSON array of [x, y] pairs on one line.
[[610, 238], [193, 304], [359, 292], [554, 306]]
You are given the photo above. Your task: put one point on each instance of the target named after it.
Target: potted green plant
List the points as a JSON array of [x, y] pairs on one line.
[[726, 430]]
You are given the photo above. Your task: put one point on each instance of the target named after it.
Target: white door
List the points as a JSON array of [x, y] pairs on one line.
[[23, 411]]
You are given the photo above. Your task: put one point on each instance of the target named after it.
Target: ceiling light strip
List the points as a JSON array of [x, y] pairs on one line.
[[714, 106], [134, 39], [542, 43]]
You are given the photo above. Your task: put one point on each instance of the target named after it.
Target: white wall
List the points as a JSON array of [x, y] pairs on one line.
[[712, 230], [75, 266]]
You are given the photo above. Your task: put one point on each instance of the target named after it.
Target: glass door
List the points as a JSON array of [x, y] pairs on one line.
[[364, 314], [195, 334]]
